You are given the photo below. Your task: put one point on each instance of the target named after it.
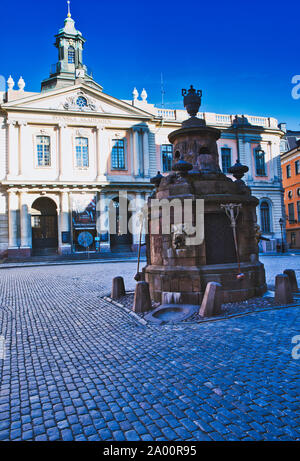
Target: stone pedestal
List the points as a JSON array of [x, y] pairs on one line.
[[292, 278], [283, 292], [212, 300], [142, 300], [118, 288]]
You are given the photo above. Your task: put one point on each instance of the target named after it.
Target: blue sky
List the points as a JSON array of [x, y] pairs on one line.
[[241, 54]]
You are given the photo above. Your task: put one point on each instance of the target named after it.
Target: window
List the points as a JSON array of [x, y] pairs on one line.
[[71, 55], [226, 159], [43, 150], [118, 154], [293, 239], [81, 102], [298, 211], [291, 213], [167, 157], [265, 216], [288, 171], [260, 164], [82, 152], [290, 194], [297, 166]]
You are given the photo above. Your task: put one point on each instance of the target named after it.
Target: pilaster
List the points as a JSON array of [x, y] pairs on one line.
[[13, 212], [12, 150], [25, 225]]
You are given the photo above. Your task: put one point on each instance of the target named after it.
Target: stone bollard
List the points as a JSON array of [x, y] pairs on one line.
[[142, 300], [292, 278], [212, 300], [118, 288], [283, 292]]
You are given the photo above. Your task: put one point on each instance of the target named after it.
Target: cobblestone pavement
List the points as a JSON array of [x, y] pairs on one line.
[[79, 368]]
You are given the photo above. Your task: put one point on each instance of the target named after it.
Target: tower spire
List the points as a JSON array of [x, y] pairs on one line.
[[69, 9]]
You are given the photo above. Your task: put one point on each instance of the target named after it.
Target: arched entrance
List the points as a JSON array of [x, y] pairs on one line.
[[44, 226], [120, 237]]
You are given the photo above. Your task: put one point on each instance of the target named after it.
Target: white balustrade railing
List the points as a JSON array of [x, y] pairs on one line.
[[217, 119]]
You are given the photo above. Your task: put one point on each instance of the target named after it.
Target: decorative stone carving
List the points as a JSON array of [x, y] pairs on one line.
[[10, 83], [71, 103], [21, 84]]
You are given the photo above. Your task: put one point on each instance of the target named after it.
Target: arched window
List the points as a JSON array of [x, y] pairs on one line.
[[260, 162], [265, 217], [82, 152], [71, 55]]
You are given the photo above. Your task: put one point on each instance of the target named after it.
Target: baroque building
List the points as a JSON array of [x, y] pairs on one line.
[[68, 152]]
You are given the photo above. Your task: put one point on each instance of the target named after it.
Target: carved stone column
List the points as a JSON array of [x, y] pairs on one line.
[[12, 152], [146, 153], [13, 211], [136, 152], [102, 153], [61, 154], [22, 124], [103, 221], [136, 219], [25, 225], [249, 160], [65, 225]]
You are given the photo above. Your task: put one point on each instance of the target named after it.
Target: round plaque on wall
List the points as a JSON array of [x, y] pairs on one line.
[[85, 239]]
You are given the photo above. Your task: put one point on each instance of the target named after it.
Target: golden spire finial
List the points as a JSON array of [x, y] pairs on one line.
[[69, 10]]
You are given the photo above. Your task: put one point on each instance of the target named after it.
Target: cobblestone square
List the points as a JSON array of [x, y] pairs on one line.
[[79, 368]]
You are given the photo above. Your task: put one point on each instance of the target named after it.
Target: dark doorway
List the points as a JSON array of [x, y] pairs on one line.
[[219, 240], [44, 227], [119, 241]]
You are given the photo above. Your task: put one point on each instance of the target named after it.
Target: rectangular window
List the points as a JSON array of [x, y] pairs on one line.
[[298, 211], [260, 164], [293, 238], [291, 213], [82, 152], [118, 154], [226, 159], [71, 55], [43, 150], [167, 157], [288, 171], [297, 166]]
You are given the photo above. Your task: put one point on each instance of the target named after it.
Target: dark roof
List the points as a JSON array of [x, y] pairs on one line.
[[292, 137]]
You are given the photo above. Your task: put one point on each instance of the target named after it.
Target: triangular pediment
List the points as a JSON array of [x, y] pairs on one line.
[[77, 98]]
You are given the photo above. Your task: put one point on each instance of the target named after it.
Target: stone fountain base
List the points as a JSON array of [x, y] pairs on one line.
[[186, 285]]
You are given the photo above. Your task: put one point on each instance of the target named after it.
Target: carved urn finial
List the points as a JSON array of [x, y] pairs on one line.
[[238, 170], [157, 179], [192, 100]]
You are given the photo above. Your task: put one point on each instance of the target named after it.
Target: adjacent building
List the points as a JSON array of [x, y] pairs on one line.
[[69, 152], [290, 162]]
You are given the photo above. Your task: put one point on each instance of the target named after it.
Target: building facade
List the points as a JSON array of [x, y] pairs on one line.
[[70, 153], [290, 162]]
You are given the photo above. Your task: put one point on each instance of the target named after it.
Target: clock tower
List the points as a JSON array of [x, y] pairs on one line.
[[70, 68]]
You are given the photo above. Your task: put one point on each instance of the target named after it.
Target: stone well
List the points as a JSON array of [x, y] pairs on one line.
[[177, 272]]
